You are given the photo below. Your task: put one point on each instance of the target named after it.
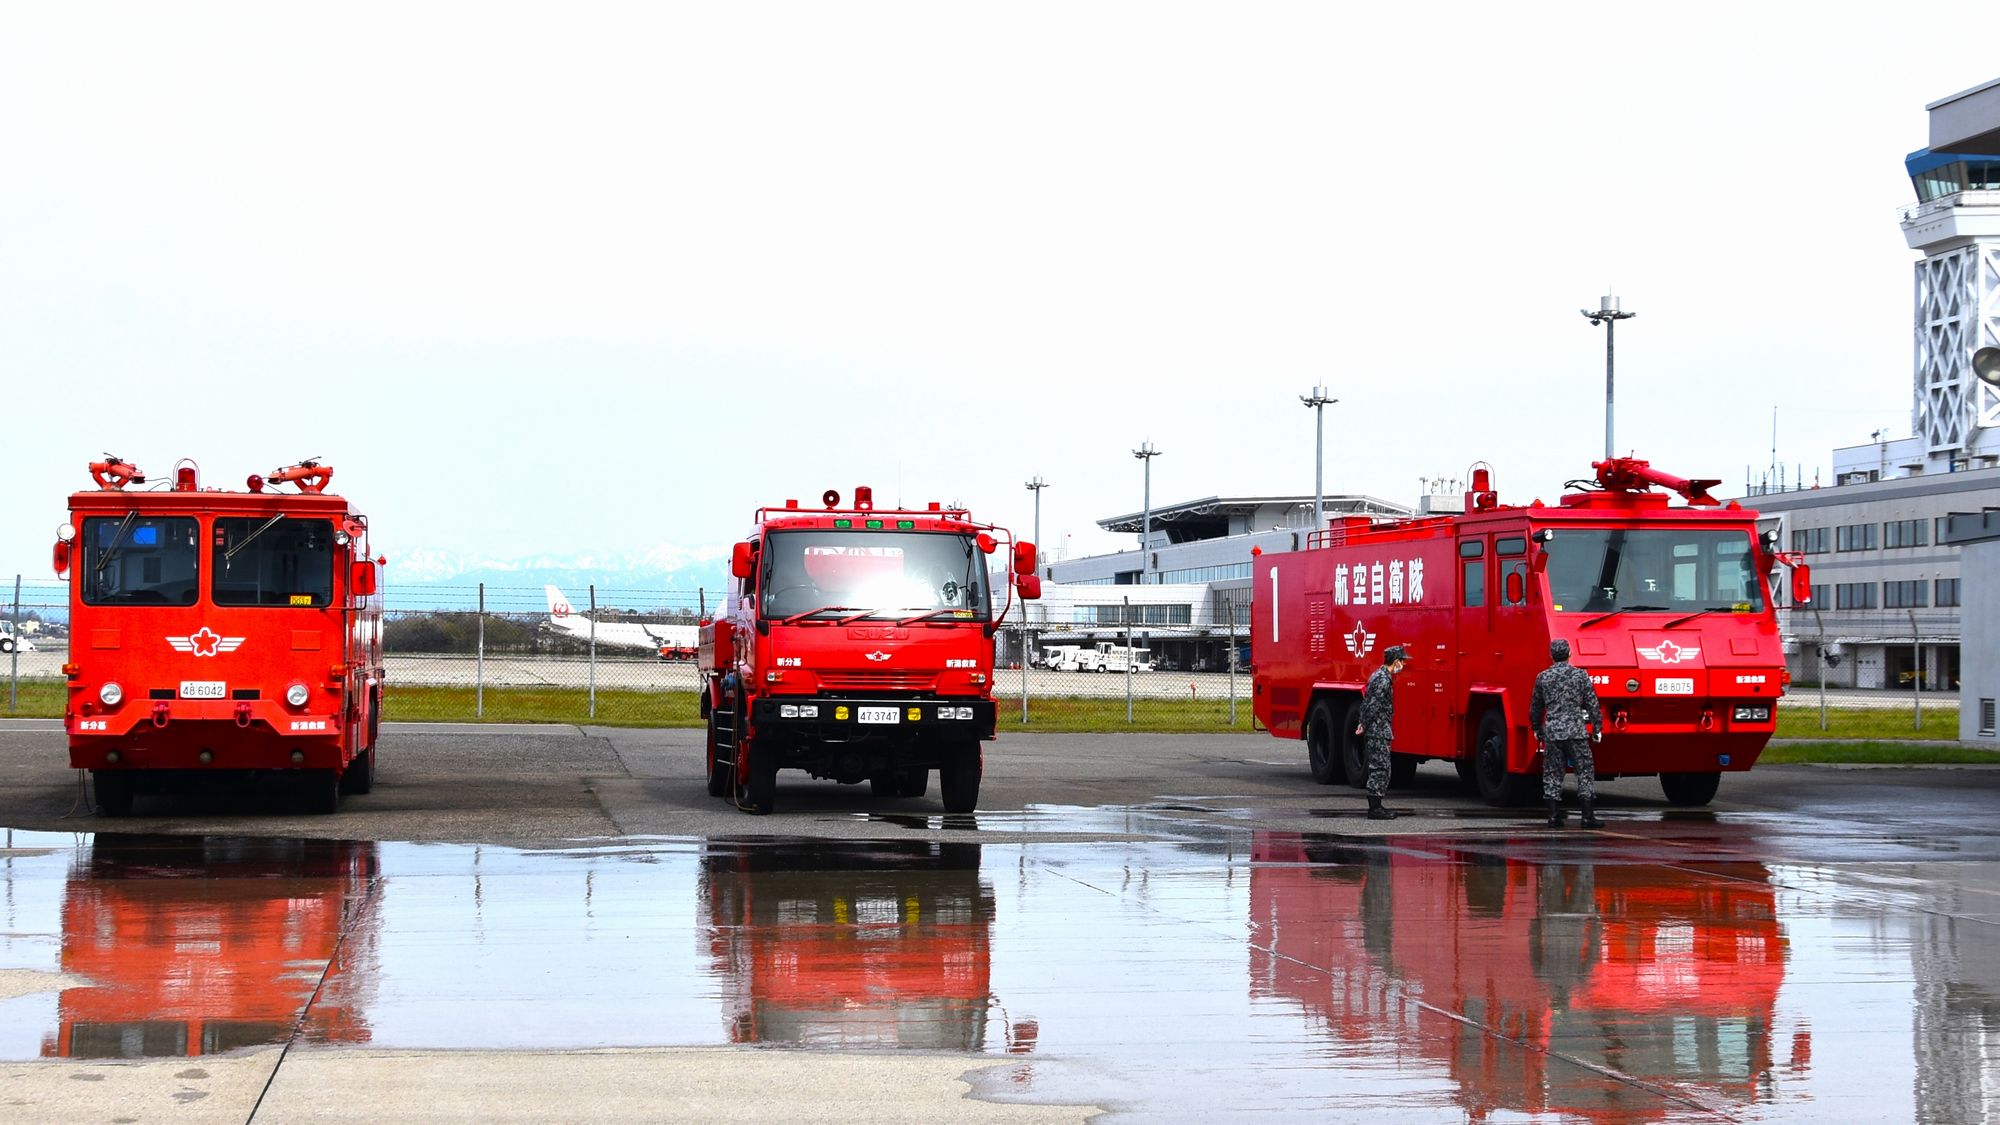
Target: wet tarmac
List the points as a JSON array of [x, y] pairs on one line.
[[1182, 962]]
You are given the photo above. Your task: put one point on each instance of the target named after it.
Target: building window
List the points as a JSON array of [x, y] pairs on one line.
[[1904, 533], [1947, 591], [1154, 614], [1855, 537], [1207, 573], [1822, 595], [1854, 595], [1903, 595], [1810, 540]]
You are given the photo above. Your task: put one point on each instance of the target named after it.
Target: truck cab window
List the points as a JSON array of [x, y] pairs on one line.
[[140, 560], [1595, 570], [258, 561], [1472, 567], [877, 573]]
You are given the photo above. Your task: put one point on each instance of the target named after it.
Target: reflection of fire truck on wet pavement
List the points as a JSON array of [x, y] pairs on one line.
[[200, 945], [895, 950], [1667, 608], [1645, 975], [220, 631], [857, 644]]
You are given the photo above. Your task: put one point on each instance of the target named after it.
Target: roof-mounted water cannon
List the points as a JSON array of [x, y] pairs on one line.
[[1630, 474], [309, 475], [112, 474]]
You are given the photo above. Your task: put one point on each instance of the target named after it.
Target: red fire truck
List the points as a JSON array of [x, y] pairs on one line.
[[857, 644], [1667, 607], [218, 631]]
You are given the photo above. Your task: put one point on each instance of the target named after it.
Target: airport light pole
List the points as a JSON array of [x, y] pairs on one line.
[[1146, 453], [1608, 315], [1035, 486], [1318, 401]]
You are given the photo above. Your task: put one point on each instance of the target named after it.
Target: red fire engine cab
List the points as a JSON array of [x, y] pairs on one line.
[[1668, 608], [216, 631], [857, 644]]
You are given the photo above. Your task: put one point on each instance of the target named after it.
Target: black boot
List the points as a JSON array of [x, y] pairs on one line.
[[1590, 815], [1557, 817], [1376, 811]]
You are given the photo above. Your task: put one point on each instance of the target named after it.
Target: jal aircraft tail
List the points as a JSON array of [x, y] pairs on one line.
[[561, 615]]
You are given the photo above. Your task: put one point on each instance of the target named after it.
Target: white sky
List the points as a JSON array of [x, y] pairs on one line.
[[612, 277]]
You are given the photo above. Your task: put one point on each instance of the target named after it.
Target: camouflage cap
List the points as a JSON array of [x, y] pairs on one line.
[[1394, 653]]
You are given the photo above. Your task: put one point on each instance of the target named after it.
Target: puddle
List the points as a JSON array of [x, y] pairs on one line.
[[1528, 974]]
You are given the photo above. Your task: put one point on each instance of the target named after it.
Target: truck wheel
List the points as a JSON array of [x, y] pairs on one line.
[[1468, 773], [1498, 787], [1353, 748], [756, 784], [1323, 744], [718, 770], [958, 778], [114, 793], [360, 775], [1690, 788], [322, 791], [6, 645], [916, 783]]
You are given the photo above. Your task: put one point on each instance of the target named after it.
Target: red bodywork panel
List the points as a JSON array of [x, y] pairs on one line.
[[206, 678], [1469, 598]]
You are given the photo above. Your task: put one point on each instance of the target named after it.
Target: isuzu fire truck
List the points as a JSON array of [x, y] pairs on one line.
[[857, 644], [215, 631], [1667, 607]]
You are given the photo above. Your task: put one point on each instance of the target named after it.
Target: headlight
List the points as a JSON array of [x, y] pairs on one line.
[[954, 712], [111, 695], [1753, 714], [297, 694]]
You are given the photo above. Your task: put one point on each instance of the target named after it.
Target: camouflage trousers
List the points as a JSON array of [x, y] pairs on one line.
[[1554, 755], [1378, 766]]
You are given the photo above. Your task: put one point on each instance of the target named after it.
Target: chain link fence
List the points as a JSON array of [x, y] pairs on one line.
[[1082, 658]]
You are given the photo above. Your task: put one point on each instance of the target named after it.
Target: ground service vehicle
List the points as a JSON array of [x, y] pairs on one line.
[[857, 644], [1667, 608], [219, 632]]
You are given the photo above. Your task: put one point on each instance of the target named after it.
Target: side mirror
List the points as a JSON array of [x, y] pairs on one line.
[[740, 564], [986, 543], [1802, 584], [62, 559], [1024, 558], [363, 581], [1030, 586], [1517, 588]]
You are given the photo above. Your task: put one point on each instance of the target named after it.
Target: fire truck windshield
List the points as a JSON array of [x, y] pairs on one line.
[[873, 573], [140, 560], [262, 560], [1607, 570]]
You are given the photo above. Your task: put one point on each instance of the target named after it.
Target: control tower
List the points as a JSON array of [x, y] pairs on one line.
[[1956, 224]]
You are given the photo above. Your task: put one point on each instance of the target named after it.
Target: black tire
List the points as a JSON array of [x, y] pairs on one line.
[[1496, 786], [1323, 744], [6, 645], [1353, 748], [916, 783], [113, 793], [1468, 773], [756, 783], [360, 776], [958, 778], [717, 770], [1694, 789], [321, 790]]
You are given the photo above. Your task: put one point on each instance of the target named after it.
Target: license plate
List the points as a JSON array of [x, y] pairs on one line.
[[878, 715], [1673, 687], [204, 689]]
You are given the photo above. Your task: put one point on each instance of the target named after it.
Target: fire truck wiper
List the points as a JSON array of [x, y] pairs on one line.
[[117, 539], [245, 541], [928, 614], [1619, 610], [795, 618], [1695, 614]]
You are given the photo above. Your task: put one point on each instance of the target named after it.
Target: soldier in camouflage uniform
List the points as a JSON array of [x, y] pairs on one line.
[[1567, 718], [1378, 708]]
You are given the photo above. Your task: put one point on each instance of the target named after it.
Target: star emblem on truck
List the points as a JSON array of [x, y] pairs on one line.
[[1667, 652], [877, 656], [1360, 641], [205, 642]]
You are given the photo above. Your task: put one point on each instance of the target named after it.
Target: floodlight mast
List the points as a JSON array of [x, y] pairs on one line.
[[1607, 314]]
